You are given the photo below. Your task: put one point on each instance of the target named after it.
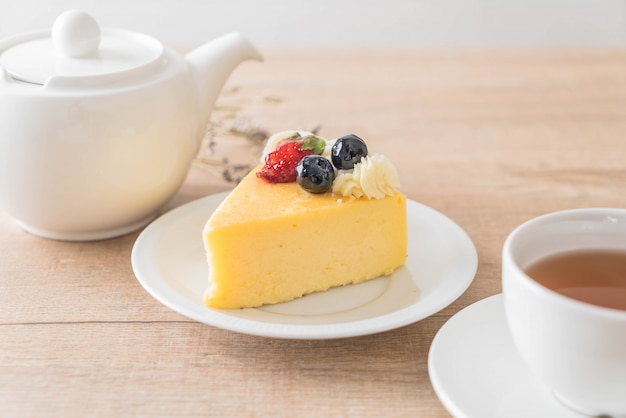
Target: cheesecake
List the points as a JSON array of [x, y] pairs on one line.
[[271, 242]]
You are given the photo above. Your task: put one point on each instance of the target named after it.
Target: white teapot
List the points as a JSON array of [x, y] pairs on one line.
[[98, 128]]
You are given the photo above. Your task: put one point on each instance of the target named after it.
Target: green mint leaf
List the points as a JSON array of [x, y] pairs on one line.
[[314, 143]]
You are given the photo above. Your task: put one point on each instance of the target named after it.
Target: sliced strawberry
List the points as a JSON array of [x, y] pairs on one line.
[[280, 164]]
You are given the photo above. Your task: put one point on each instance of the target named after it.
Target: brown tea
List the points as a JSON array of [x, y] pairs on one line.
[[592, 276]]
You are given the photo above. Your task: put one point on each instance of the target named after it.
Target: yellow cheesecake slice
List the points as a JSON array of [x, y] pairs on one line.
[[269, 243]]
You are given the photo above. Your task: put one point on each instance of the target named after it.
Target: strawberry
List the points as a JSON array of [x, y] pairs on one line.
[[280, 164]]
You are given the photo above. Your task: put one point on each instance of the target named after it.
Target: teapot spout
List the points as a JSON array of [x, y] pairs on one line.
[[212, 63]]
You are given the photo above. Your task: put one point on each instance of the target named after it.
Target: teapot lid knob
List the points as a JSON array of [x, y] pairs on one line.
[[76, 34]]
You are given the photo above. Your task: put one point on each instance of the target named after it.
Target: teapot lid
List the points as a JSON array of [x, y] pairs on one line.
[[76, 47]]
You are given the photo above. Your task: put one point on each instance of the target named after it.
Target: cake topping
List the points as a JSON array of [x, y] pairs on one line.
[[315, 174], [314, 143], [280, 164], [348, 151], [280, 138], [301, 156], [373, 177]]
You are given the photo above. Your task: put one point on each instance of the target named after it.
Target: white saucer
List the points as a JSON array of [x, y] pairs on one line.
[[169, 261], [477, 373]]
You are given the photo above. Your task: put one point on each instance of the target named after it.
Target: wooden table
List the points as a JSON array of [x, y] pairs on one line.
[[490, 139]]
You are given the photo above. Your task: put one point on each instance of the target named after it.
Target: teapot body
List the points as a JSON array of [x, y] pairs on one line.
[[98, 127], [88, 162]]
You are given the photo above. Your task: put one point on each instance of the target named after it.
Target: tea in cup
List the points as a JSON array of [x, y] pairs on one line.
[[564, 287]]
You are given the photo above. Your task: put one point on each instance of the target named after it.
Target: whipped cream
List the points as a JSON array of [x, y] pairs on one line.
[[374, 177]]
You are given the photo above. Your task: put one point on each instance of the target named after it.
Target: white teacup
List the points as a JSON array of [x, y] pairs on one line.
[[577, 349]]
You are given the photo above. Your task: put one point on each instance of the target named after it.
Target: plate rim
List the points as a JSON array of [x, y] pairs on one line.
[[148, 239], [495, 327]]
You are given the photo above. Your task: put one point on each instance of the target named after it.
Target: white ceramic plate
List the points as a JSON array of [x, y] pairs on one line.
[[477, 372], [169, 260]]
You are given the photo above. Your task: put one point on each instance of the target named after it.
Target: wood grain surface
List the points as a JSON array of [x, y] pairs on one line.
[[489, 138]]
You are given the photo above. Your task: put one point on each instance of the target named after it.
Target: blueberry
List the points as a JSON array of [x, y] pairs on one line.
[[348, 151], [315, 174]]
